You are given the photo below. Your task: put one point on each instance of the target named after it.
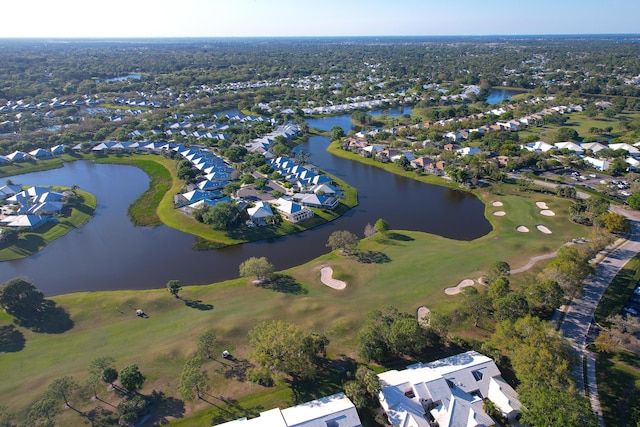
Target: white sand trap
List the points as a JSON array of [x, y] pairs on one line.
[[326, 277], [496, 204], [542, 205], [543, 229], [500, 213], [457, 289], [424, 315], [547, 212], [522, 229]]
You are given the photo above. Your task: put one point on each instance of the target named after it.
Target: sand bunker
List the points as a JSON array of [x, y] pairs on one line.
[[424, 315], [543, 229], [496, 204], [326, 277], [457, 289], [547, 212], [522, 229], [500, 213], [542, 205]]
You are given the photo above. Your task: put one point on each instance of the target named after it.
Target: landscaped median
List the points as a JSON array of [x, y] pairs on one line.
[[33, 241], [156, 206]]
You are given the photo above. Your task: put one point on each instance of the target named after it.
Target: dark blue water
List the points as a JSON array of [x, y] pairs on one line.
[[498, 96], [110, 253]]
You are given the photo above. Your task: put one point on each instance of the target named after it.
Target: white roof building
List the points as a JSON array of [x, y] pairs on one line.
[[449, 391], [593, 146], [538, 146], [571, 146], [599, 164], [332, 411]]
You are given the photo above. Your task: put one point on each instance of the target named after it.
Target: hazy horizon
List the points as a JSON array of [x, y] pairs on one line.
[[329, 18]]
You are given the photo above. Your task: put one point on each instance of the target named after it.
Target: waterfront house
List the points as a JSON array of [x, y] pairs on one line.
[[293, 212], [260, 212]]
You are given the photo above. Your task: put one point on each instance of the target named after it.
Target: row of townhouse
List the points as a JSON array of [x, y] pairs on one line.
[[19, 106], [632, 158], [37, 154], [445, 393]]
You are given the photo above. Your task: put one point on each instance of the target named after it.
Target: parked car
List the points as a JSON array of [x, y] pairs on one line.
[[630, 310], [637, 290]]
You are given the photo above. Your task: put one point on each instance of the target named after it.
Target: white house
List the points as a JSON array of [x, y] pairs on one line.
[[538, 147], [448, 392], [571, 146], [593, 146], [468, 151], [332, 411], [626, 147], [293, 212], [260, 212], [599, 164]]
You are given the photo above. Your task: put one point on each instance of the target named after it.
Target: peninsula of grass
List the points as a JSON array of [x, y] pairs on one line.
[[156, 206], [33, 241], [414, 270], [334, 148], [29, 166]]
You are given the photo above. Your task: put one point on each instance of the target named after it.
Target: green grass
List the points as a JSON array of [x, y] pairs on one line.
[[31, 242], [420, 267], [618, 377], [619, 291]]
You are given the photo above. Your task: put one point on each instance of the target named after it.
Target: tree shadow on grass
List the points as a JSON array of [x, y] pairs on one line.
[[232, 410], [400, 237], [285, 284], [164, 406], [50, 319], [197, 304], [371, 257], [11, 339], [237, 370], [330, 380]]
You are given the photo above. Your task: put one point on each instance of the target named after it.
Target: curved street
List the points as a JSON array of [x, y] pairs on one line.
[[579, 316]]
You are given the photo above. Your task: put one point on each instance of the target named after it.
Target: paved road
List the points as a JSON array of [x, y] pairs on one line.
[[578, 318]]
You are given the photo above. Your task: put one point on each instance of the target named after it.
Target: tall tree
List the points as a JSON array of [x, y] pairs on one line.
[[381, 226], [193, 380], [342, 239], [62, 388], [20, 297], [206, 343], [131, 378], [174, 287], [260, 267], [283, 347], [96, 371], [43, 412]]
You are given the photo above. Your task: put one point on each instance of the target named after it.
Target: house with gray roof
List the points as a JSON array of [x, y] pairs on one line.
[[447, 392]]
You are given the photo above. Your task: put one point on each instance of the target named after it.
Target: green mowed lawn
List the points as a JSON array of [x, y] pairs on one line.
[[618, 377], [409, 269]]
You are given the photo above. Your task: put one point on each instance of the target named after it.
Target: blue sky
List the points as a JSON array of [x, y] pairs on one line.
[[229, 18]]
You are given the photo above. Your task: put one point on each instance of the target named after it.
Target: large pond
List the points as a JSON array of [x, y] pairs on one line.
[[500, 95], [110, 253]]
